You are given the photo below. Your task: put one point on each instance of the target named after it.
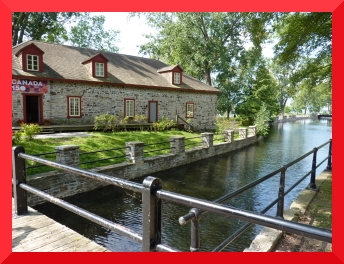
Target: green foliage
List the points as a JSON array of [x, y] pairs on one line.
[[109, 122], [223, 123], [206, 42], [104, 121], [306, 38], [45, 26], [141, 120], [27, 132], [244, 120], [163, 124], [90, 33], [261, 121]]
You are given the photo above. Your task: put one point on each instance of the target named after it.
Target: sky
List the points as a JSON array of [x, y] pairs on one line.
[[132, 30]]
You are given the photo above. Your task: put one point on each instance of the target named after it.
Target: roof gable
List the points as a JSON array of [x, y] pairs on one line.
[[98, 58], [32, 49], [170, 68]]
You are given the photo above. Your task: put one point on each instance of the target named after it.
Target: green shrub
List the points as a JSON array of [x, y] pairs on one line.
[[27, 132], [223, 123], [261, 121], [141, 120], [105, 121], [163, 124], [109, 122]]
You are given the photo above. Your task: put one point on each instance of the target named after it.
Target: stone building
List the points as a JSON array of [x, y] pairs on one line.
[[70, 85]]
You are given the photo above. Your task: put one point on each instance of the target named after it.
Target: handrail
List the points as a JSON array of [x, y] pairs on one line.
[[190, 216], [153, 194], [93, 175], [185, 122], [248, 216]]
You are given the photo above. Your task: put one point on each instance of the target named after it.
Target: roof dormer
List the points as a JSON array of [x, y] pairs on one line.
[[31, 58], [97, 65], [173, 74]]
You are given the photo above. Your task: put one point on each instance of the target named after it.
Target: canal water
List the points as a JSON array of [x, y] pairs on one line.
[[206, 179]]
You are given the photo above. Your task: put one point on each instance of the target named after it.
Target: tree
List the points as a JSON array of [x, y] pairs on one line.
[[45, 26], [203, 43], [261, 92], [306, 35], [285, 83], [90, 33], [312, 98]]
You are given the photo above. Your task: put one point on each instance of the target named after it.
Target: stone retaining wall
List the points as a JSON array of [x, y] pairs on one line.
[[66, 184], [291, 118]]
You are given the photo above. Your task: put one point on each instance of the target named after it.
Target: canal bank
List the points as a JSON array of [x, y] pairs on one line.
[[207, 179], [275, 240]]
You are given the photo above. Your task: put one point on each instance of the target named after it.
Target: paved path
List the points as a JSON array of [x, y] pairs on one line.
[[64, 135], [36, 232]]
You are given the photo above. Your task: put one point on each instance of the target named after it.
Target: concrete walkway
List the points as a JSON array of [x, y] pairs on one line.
[[64, 135], [268, 237]]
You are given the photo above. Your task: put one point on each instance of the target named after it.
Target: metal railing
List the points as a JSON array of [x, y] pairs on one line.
[[103, 159], [152, 196], [161, 150]]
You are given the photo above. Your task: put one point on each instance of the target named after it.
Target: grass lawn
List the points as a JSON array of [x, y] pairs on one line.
[[105, 141]]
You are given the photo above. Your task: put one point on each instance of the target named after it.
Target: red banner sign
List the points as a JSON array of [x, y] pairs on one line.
[[29, 86]]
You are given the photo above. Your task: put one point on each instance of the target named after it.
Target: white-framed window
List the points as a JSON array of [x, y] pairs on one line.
[[129, 107], [32, 62], [190, 110], [176, 78], [74, 106], [99, 69]]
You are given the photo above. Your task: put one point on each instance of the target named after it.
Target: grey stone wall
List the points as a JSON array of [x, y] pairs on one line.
[[64, 185], [17, 106], [290, 118], [100, 99]]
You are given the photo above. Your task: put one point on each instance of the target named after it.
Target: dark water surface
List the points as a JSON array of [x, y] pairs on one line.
[[206, 179]]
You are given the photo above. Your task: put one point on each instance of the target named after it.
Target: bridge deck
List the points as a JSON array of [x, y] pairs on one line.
[[36, 232]]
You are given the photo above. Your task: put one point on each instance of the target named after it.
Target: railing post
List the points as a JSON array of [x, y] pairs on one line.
[[329, 161], [207, 140], [151, 214], [252, 130], [195, 231], [312, 185], [243, 133], [177, 144], [229, 135], [280, 205], [19, 176]]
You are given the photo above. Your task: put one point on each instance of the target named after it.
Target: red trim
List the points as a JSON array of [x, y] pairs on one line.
[[72, 96], [31, 49], [156, 110], [180, 78], [186, 110], [173, 69], [125, 106], [40, 101], [100, 59], [116, 84]]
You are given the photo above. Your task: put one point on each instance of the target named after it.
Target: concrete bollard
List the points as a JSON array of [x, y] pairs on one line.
[[207, 140], [68, 155], [134, 152], [242, 133], [177, 144]]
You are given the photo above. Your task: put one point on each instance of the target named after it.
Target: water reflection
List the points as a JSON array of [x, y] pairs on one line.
[[206, 179]]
